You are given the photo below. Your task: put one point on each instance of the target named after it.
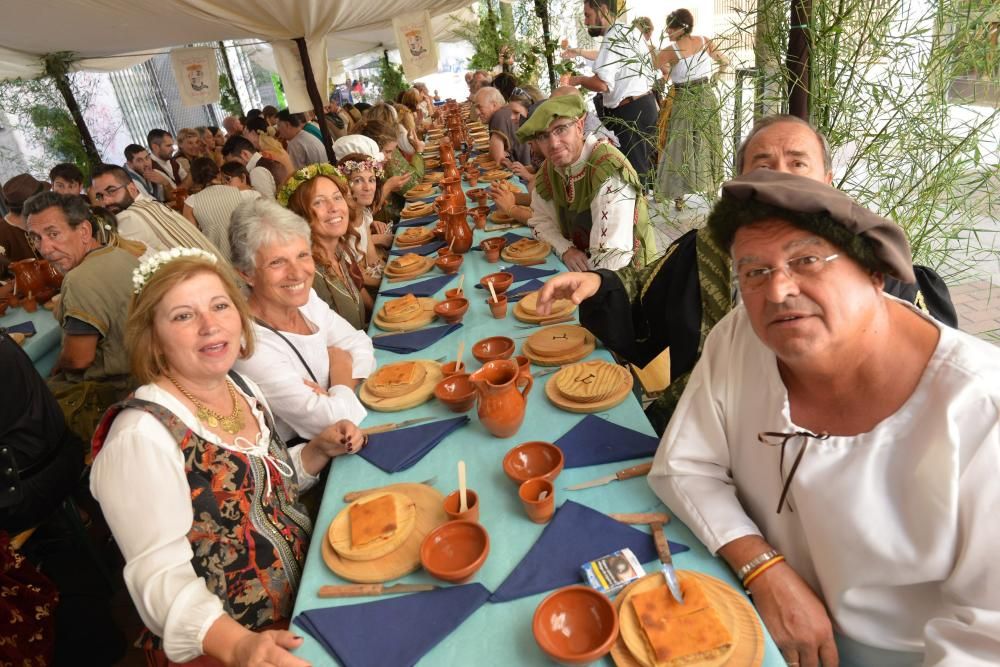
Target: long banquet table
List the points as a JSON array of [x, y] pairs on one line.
[[496, 634], [43, 347]]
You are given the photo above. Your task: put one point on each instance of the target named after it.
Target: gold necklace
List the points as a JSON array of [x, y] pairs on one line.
[[232, 424]]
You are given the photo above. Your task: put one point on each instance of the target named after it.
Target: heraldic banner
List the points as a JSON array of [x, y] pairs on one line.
[[417, 48], [197, 75]]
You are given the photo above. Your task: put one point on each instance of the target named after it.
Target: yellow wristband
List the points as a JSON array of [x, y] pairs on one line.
[[760, 569]]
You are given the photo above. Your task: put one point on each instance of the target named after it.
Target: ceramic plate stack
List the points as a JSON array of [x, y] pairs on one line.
[[495, 175], [589, 386], [408, 266], [401, 385], [417, 209], [405, 313], [420, 191], [558, 344], [526, 309], [414, 236], [526, 251], [746, 650]]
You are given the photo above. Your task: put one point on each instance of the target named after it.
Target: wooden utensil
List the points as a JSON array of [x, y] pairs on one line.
[[642, 518], [493, 292], [382, 428], [364, 590], [461, 279], [463, 505], [458, 357]]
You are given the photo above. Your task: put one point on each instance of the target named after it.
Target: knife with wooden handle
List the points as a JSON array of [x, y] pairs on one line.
[[642, 518], [627, 473], [362, 590]]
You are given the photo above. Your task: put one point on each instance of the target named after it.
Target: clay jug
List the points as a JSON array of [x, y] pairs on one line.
[[500, 402], [451, 172], [29, 277], [457, 234], [53, 278]]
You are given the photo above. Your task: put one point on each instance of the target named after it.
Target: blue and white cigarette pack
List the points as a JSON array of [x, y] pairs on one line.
[[609, 574]]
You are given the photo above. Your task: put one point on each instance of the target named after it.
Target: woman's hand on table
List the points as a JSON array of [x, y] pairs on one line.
[[576, 287], [268, 648], [795, 617], [341, 367], [340, 438], [503, 197]]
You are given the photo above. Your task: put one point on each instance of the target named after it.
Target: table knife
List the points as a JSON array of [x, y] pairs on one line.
[[642, 518], [627, 473], [351, 496], [360, 590], [666, 562], [382, 428]]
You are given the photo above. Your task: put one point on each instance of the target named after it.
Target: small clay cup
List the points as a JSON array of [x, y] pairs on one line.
[[444, 251], [491, 249], [523, 365], [456, 392], [454, 293], [452, 310], [472, 177], [498, 308], [452, 502], [501, 281], [539, 510], [480, 213], [453, 368], [449, 263]]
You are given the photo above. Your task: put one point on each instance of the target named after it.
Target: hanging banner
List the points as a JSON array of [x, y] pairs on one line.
[[417, 48], [197, 74], [286, 57]]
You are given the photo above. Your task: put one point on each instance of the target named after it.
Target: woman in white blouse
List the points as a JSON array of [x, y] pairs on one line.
[[200, 493], [308, 358]]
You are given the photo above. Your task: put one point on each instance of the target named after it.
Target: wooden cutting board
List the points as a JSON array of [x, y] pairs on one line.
[[518, 258], [630, 650], [429, 505], [425, 317], [418, 269], [560, 308], [339, 534], [561, 402], [420, 394]]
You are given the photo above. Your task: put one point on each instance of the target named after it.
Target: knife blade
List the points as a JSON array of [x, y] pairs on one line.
[[666, 562], [382, 428], [351, 496], [627, 473], [361, 590]]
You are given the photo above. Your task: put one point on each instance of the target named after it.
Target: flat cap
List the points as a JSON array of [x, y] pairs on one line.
[[19, 189], [566, 106], [873, 241]]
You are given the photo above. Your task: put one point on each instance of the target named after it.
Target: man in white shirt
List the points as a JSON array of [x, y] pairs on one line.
[[838, 448], [240, 149], [304, 148], [623, 77]]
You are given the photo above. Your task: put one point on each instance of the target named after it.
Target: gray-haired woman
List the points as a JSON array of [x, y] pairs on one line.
[[308, 358]]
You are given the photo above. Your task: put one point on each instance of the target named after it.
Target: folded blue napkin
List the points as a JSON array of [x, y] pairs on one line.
[[26, 328], [395, 631], [594, 440], [413, 341], [510, 236], [523, 290], [397, 450], [417, 222], [525, 273], [424, 249], [575, 535], [423, 288]]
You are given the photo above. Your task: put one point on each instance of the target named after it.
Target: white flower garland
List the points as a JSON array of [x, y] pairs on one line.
[[149, 266]]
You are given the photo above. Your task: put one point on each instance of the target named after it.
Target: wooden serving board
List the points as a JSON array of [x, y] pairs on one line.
[[631, 650], [563, 403], [417, 269], [419, 194], [425, 317], [418, 211], [339, 534], [558, 344], [420, 394], [534, 257], [429, 506], [561, 308]]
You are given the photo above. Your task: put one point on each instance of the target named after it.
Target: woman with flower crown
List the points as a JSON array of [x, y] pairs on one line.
[[200, 492]]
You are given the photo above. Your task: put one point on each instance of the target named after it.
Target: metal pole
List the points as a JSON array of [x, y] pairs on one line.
[[798, 59], [314, 96], [62, 85], [542, 11]]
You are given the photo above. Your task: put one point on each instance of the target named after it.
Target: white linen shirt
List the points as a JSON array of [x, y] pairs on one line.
[[298, 410], [624, 64], [896, 529], [139, 480], [612, 211], [261, 179]]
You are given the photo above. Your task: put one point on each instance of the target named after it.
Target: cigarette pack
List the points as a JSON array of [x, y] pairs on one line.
[[609, 574]]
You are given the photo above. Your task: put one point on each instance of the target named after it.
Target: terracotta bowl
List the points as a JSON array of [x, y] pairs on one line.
[[456, 392], [453, 293], [493, 348], [495, 243], [452, 368], [454, 551], [449, 263], [533, 459], [475, 193], [444, 251], [452, 310], [575, 625], [501, 281]]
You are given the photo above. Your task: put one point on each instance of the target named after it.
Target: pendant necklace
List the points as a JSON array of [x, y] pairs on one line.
[[232, 424]]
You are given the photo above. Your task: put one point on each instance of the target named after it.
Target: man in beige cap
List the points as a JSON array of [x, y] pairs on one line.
[[835, 445]]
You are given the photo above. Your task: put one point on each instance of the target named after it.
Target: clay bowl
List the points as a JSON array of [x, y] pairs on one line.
[[501, 281], [449, 263], [475, 193], [444, 251], [493, 348], [453, 293], [452, 310], [575, 625], [456, 392], [454, 551], [496, 243], [453, 368], [533, 459]]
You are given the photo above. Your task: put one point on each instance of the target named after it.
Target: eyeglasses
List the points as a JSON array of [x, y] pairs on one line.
[[108, 192], [754, 278], [557, 132]]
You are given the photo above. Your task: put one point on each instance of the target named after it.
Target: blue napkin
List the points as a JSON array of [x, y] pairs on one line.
[[26, 328], [416, 222], [423, 288], [594, 440], [575, 535], [525, 273], [393, 451], [524, 290], [510, 236], [424, 249], [395, 631], [414, 341]]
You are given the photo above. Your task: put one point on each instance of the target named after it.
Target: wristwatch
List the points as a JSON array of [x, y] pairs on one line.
[[742, 573]]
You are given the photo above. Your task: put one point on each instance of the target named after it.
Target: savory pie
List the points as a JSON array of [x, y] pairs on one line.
[[396, 379], [680, 634], [416, 209], [401, 309], [420, 190], [414, 236], [372, 520], [524, 247]]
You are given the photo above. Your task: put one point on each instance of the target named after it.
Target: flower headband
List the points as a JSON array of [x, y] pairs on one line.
[[307, 174], [149, 266], [349, 167]]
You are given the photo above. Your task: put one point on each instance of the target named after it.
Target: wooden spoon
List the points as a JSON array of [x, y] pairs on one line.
[[463, 505], [458, 359], [493, 292], [461, 279]]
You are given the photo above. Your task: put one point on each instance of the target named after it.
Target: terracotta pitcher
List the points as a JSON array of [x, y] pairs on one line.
[[29, 277], [457, 234], [500, 403]]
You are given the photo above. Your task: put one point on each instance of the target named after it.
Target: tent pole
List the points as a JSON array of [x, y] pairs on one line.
[[315, 98], [229, 73], [62, 85], [798, 59], [542, 11]]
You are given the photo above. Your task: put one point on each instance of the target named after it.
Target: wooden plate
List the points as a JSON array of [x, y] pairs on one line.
[[417, 269], [417, 193], [563, 403], [561, 308], [339, 534], [496, 175], [736, 612], [433, 177], [420, 394], [393, 391], [529, 304], [425, 317], [590, 381], [558, 344], [429, 507], [414, 236], [416, 209]]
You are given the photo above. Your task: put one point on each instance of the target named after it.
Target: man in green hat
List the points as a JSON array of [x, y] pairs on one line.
[[587, 202]]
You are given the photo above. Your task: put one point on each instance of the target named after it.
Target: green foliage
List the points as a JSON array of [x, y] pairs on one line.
[[228, 100], [62, 138], [391, 80], [279, 90]]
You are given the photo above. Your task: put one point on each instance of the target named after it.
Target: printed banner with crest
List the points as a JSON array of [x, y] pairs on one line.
[[417, 48], [197, 73]]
